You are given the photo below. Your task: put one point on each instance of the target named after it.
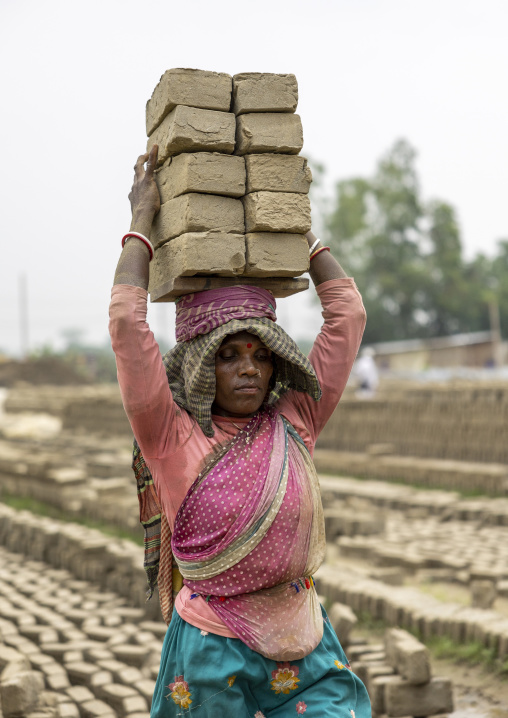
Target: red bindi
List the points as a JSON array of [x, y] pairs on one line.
[[249, 346]]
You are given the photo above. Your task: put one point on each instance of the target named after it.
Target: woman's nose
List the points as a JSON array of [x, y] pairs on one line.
[[247, 367]]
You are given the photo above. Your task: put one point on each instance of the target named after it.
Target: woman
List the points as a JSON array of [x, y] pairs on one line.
[[226, 424]]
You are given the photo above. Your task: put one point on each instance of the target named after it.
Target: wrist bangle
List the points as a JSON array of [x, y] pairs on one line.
[[141, 237], [313, 247], [318, 251]]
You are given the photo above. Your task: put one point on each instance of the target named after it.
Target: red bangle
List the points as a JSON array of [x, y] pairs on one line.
[[315, 254], [141, 237]]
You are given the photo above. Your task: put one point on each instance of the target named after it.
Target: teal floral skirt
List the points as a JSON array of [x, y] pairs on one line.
[[204, 675]]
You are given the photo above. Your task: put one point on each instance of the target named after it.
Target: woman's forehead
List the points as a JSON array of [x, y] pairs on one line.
[[243, 338]]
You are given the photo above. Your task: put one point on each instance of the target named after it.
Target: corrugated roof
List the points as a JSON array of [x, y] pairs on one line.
[[415, 345]]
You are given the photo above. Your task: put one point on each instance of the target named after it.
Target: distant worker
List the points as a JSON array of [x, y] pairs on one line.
[[366, 373]]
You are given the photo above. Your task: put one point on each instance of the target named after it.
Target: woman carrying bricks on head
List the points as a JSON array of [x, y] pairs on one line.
[[225, 425]]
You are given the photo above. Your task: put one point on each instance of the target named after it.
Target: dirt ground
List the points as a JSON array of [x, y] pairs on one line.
[[478, 693]]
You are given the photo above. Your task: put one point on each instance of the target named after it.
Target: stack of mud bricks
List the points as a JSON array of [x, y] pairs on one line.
[[399, 679], [234, 191], [397, 674]]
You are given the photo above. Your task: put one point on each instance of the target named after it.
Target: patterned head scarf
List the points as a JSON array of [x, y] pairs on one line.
[[201, 312]]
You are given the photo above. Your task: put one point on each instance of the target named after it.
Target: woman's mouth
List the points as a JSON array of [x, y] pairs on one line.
[[247, 389]]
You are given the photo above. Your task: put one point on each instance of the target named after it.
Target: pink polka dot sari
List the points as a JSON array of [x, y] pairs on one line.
[[250, 534]]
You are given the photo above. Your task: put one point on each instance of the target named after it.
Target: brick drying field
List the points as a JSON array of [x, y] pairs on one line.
[[78, 639]]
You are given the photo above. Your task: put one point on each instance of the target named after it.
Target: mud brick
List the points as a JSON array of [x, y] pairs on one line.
[[377, 690], [403, 699], [100, 678], [95, 707], [407, 656], [58, 650], [187, 129], [58, 681], [130, 654], [197, 213], [146, 688], [174, 288], [198, 253], [79, 694], [41, 634], [20, 694], [375, 670], [73, 657], [268, 132], [131, 614], [124, 699], [275, 254], [9, 655], [277, 173], [41, 661], [182, 86], [99, 633], [68, 710], [207, 172], [13, 669], [277, 212], [157, 627], [343, 621], [81, 672], [264, 92], [52, 668]]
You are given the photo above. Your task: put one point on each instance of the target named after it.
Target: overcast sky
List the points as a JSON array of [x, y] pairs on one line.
[[76, 76]]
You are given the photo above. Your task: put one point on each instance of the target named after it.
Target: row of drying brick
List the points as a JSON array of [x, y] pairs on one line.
[[102, 491], [69, 650], [447, 505], [453, 558], [461, 476], [409, 608], [114, 564], [461, 430]]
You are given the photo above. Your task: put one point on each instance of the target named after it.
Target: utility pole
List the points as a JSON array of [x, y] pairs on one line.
[[23, 314]]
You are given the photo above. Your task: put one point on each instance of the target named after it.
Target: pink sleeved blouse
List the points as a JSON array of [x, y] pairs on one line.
[[172, 443]]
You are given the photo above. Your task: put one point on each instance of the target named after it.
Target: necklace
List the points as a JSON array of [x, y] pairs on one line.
[[241, 429]]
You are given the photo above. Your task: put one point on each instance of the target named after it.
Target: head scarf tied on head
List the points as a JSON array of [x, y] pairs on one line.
[[202, 312], [203, 320]]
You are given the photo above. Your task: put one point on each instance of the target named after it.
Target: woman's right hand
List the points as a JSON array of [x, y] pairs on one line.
[[144, 195]]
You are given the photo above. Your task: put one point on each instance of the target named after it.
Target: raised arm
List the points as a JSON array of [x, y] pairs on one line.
[[141, 374], [145, 202], [324, 266], [336, 345]]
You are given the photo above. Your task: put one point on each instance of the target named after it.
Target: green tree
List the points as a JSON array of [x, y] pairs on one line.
[[377, 230], [406, 256], [448, 291]]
